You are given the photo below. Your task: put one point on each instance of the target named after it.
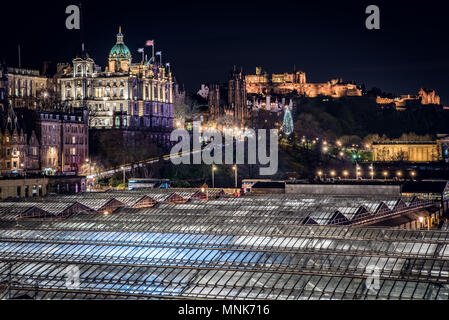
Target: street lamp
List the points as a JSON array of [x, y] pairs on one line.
[[385, 174], [124, 178], [90, 174], [213, 170], [320, 173], [333, 173], [235, 175], [358, 172], [345, 173], [399, 174], [207, 193], [413, 174], [421, 220]]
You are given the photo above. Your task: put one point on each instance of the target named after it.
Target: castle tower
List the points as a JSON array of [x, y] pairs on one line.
[[237, 96]]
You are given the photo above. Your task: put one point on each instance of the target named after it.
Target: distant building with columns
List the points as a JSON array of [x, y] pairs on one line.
[[407, 151]]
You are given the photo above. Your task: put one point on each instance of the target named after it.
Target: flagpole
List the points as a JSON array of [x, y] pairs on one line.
[[152, 52], [20, 62]]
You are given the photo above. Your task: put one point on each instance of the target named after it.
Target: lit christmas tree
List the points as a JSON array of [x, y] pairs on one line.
[[287, 125]]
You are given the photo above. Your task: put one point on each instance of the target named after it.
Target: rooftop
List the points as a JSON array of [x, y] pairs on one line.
[[253, 247]]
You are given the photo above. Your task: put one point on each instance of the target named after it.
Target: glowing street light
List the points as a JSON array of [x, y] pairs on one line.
[[213, 170], [320, 173], [413, 174], [345, 173], [325, 149], [421, 221], [90, 173], [341, 154], [333, 173], [235, 175], [124, 178], [399, 174]]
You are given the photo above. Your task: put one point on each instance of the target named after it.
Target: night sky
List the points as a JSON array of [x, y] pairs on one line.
[[204, 40]]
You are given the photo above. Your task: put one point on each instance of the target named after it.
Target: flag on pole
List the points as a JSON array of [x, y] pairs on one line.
[[149, 43], [158, 53], [140, 50]]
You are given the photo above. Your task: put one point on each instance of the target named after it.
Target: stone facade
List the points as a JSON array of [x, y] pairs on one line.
[[424, 97], [230, 100], [3, 88], [125, 95], [296, 82], [406, 151], [26, 88], [19, 149], [64, 142], [36, 141], [23, 188]]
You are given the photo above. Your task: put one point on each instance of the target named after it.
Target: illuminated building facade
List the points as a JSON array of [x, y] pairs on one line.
[[230, 99], [296, 82], [124, 95], [424, 97], [64, 142], [406, 151], [3, 88], [37, 141], [26, 88], [19, 148]]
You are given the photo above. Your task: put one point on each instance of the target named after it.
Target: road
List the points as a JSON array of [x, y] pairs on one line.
[[128, 166]]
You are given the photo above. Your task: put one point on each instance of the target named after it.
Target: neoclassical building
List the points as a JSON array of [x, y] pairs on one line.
[[410, 151], [124, 95], [27, 88]]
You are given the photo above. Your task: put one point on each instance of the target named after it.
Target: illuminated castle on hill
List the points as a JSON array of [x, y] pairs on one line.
[[296, 82]]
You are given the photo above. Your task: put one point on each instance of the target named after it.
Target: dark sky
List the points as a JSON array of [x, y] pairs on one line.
[[203, 40]]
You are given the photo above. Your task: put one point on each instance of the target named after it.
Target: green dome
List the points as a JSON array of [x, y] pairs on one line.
[[120, 50]]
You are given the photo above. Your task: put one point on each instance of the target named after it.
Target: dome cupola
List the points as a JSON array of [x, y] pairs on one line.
[[119, 56]]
